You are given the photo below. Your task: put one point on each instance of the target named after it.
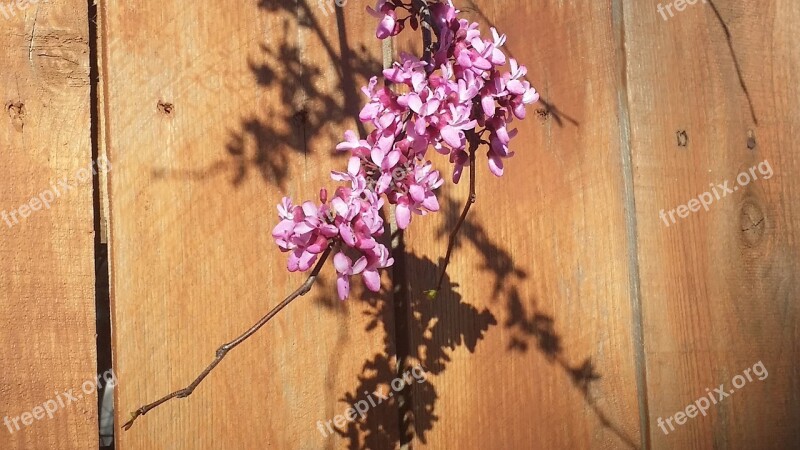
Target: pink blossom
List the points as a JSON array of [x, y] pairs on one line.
[[388, 19], [345, 268], [434, 104]]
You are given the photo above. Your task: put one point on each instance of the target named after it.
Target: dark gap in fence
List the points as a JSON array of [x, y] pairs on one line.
[[101, 287], [402, 307], [402, 314]]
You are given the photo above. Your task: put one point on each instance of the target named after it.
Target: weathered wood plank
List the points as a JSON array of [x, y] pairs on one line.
[[540, 305], [47, 316], [215, 111], [719, 286]]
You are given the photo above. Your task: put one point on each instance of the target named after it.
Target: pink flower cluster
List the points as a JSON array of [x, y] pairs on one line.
[[447, 103]]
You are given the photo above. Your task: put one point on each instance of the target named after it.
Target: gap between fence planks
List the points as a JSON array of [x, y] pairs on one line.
[[47, 317]]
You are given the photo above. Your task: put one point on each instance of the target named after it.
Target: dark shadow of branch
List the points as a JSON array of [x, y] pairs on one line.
[[527, 328], [735, 60]]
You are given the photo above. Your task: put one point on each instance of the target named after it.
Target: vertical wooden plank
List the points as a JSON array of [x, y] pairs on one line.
[[47, 341], [214, 112], [719, 287], [531, 345]]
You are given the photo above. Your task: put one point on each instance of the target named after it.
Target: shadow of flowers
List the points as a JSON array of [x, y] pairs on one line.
[[435, 340], [313, 110]]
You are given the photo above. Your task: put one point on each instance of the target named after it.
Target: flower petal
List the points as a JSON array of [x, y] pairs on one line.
[[488, 105], [496, 164], [372, 279], [359, 266], [417, 193], [452, 137], [342, 263], [343, 287], [403, 216], [431, 203]]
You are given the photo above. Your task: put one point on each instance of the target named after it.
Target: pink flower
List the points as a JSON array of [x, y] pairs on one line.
[[345, 268], [388, 25], [415, 192], [303, 233], [377, 259], [462, 89]]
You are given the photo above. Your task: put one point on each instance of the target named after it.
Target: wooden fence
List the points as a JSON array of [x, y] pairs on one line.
[[576, 314]]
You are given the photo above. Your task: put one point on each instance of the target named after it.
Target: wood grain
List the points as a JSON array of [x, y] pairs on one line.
[[532, 347], [214, 112], [719, 287], [572, 316], [47, 316]]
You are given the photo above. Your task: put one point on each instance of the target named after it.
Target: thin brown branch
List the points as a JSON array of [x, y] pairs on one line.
[[224, 349], [474, 141], [428, 30]]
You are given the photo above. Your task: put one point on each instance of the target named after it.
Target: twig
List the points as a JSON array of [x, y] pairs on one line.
[[428, 29], [224, 349], [474, 141]]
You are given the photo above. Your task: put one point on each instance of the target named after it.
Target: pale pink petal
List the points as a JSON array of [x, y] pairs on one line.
[[306, 260], [452, 137], [372, 280], [386, 27], [431, 203], [403, 215], [488, 105], [293, 262], [498, 58], [343, 287], [431, 107], [482, 63], [319, 245], [417, 193], [496, 164], [383, 183], [283, 228], [354, 165], [515, 87], [340, 206], [359, 265], [342, 263], [530, 96], [415, 103], [391, 160], [347, 235], [369, 111], [309, 209], [519, 111], [502, 135], [464, 60]]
